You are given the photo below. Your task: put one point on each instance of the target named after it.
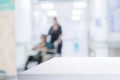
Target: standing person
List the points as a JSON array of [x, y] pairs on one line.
[[56, 32]]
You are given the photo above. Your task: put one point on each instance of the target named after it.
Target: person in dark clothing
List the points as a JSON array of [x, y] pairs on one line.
[[56, 32]]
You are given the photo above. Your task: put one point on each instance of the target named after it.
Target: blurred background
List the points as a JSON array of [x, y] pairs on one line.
[[90, 28]]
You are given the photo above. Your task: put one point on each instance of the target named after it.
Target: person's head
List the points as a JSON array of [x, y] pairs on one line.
[[43, 38], [55, 20], [55, 27]]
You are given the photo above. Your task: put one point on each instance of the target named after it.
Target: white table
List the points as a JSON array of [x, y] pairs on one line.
[[75, 69]]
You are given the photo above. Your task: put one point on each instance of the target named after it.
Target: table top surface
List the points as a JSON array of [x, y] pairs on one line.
[[77, 65]]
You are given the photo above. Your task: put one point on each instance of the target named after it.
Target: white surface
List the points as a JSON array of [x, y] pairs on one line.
[[69, 77], [83, 66]]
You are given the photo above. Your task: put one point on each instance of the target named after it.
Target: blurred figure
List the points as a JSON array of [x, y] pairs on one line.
[[41, 48], [56, 32]]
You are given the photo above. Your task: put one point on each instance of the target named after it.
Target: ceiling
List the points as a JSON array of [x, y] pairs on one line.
[[64, 8]]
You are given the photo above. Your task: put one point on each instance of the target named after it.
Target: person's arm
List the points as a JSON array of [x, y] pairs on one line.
[[60, 35], [49, 32], [42, 45], [39, 46], [60, 30]]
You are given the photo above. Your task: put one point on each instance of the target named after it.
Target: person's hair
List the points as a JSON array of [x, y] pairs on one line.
[[55, 18]]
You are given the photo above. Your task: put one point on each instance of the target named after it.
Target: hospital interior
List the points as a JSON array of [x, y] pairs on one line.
[[90, 28]]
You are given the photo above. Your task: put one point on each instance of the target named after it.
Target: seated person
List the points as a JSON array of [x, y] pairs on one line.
[[42, 47]]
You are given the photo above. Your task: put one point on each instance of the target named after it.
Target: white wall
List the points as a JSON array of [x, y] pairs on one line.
[[23, 21], [114, 26], [99, 27], [22, 29], [114, 33]]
